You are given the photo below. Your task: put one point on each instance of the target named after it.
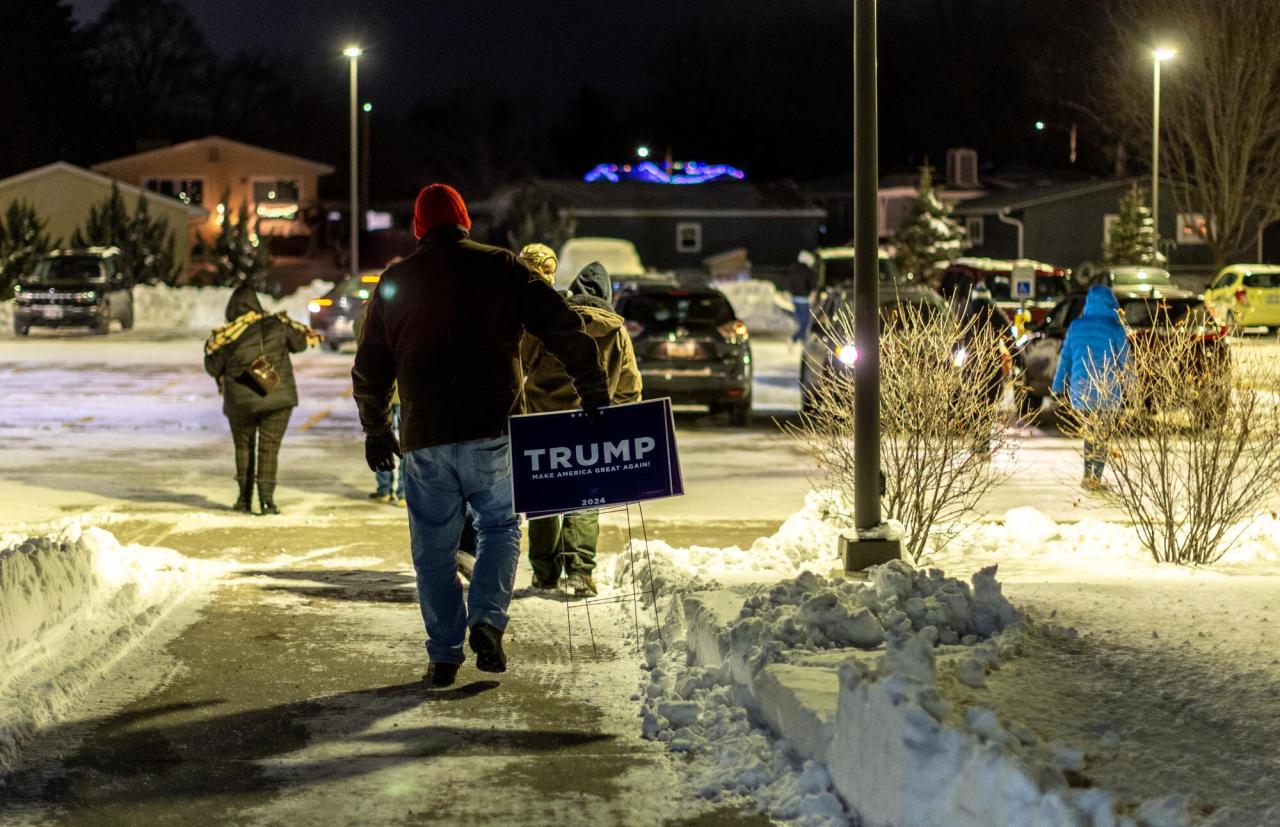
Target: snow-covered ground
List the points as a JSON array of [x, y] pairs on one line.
[[1169, 683]]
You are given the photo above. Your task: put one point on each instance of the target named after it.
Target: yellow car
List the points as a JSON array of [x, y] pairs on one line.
[[1247, 295]]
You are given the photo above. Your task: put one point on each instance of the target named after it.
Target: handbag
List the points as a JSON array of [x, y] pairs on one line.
[[261, 373]]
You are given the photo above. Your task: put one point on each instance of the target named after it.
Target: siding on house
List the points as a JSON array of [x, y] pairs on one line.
[[63, 194]]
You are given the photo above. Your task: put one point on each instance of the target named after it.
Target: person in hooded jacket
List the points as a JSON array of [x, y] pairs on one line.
[[567, 543], [983, 325], [1094, 353], [258, 415], [445, 326]]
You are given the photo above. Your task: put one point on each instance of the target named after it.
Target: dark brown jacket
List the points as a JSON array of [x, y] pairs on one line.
[[547, 386], [445, 325], [234, 347]]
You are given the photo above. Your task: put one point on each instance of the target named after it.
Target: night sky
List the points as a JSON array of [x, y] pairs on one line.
[[537, 51]]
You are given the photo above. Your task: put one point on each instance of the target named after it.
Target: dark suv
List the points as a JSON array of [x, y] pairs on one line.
[[75, 288], [689, 346]]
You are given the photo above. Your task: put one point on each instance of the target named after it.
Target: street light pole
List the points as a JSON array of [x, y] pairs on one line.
[[354, 52], [1158, 57], [866, 235]]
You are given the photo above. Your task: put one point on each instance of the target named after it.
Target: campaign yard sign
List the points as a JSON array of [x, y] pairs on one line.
[[560, 462]]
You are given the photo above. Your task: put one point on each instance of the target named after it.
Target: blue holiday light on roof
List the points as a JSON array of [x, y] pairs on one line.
[[690, 172]]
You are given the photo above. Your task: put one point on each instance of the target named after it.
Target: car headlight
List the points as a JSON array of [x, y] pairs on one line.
[[960, 357], [86, 296], [847, 354], [313, 307]]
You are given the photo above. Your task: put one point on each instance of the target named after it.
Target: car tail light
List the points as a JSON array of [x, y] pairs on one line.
[[1241, 296], [634, 328], [734, 330]]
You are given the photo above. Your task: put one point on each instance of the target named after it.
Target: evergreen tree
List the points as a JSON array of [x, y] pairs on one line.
[[1133, 236], [238, 253], [145, 244], [930, 234], [24, 238]]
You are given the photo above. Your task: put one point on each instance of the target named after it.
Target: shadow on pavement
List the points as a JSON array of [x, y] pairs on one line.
[[137, 759], [342, 584]]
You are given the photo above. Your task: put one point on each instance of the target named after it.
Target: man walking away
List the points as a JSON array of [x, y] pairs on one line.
[[568, 543], [1093, 354], [445, 326]]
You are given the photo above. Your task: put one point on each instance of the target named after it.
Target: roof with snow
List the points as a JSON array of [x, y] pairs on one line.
[[628, 198], [1000, 202]]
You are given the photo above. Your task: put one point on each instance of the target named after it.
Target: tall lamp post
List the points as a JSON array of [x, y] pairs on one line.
[[1158, 56], [353, 52]]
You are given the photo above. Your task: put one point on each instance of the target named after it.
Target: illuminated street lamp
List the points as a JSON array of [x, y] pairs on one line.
[[642, 151], [354, 52], [1159, 56]]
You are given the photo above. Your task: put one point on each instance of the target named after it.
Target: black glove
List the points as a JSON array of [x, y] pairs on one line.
[[592, 403], [381, 450]]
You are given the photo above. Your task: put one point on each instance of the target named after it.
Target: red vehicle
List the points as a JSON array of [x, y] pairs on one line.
[[1015, 285]]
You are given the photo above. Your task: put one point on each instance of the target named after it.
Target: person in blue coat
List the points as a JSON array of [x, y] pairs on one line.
[[1094, 352]]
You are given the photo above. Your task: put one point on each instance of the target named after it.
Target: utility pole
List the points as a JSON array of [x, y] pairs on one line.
[[1158, 56], [366, 118], [870, 546], [354, 52]]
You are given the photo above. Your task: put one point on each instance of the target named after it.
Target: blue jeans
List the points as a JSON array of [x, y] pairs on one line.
[[802, 317], [440, 482], [391, 481]]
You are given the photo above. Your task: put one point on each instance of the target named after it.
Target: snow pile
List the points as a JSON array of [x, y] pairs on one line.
[[701, 710], [201, 309], [71, 604], [765, 309], [1029, 534], [808, 539], [197, 309]]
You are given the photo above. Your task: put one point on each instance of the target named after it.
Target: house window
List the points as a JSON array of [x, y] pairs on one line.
[[186, 190], [975, 227], [276, 198], [689, 237], [1193, 228], [1109, 222]]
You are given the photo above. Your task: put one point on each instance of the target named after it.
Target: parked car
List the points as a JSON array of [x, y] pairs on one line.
[[75, 288], [1135, 278], [334, 314], [1145, 310], [619, 257], [689, 345], [1049, 285], [1247, 295], [835, 268], [824, 355]]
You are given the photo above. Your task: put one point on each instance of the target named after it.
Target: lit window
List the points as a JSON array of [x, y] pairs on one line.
[[276, 198], [689, 237], [186, 190], [975, 227], [1193, 228]]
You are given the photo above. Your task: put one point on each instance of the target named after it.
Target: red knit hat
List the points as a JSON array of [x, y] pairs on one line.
[[436, 205]]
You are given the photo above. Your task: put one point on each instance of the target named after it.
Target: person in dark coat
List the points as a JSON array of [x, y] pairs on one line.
[[984, 325], [1094, 353], [802, 280], [444, 326], [567, 543], [258, 416]]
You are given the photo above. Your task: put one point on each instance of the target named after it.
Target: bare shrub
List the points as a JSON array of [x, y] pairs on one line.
[[944, 414], [1193, 448]]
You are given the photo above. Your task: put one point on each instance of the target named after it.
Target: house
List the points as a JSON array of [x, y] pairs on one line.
[[63, 194], [1070, 224], [279, 189], [895, 196], [677, 226]]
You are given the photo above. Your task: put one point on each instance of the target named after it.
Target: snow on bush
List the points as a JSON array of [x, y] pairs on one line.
[[71, 604], [196, 309], [765, 309]]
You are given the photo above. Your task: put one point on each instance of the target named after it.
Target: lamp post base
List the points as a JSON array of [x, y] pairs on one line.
[[870, 547]]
